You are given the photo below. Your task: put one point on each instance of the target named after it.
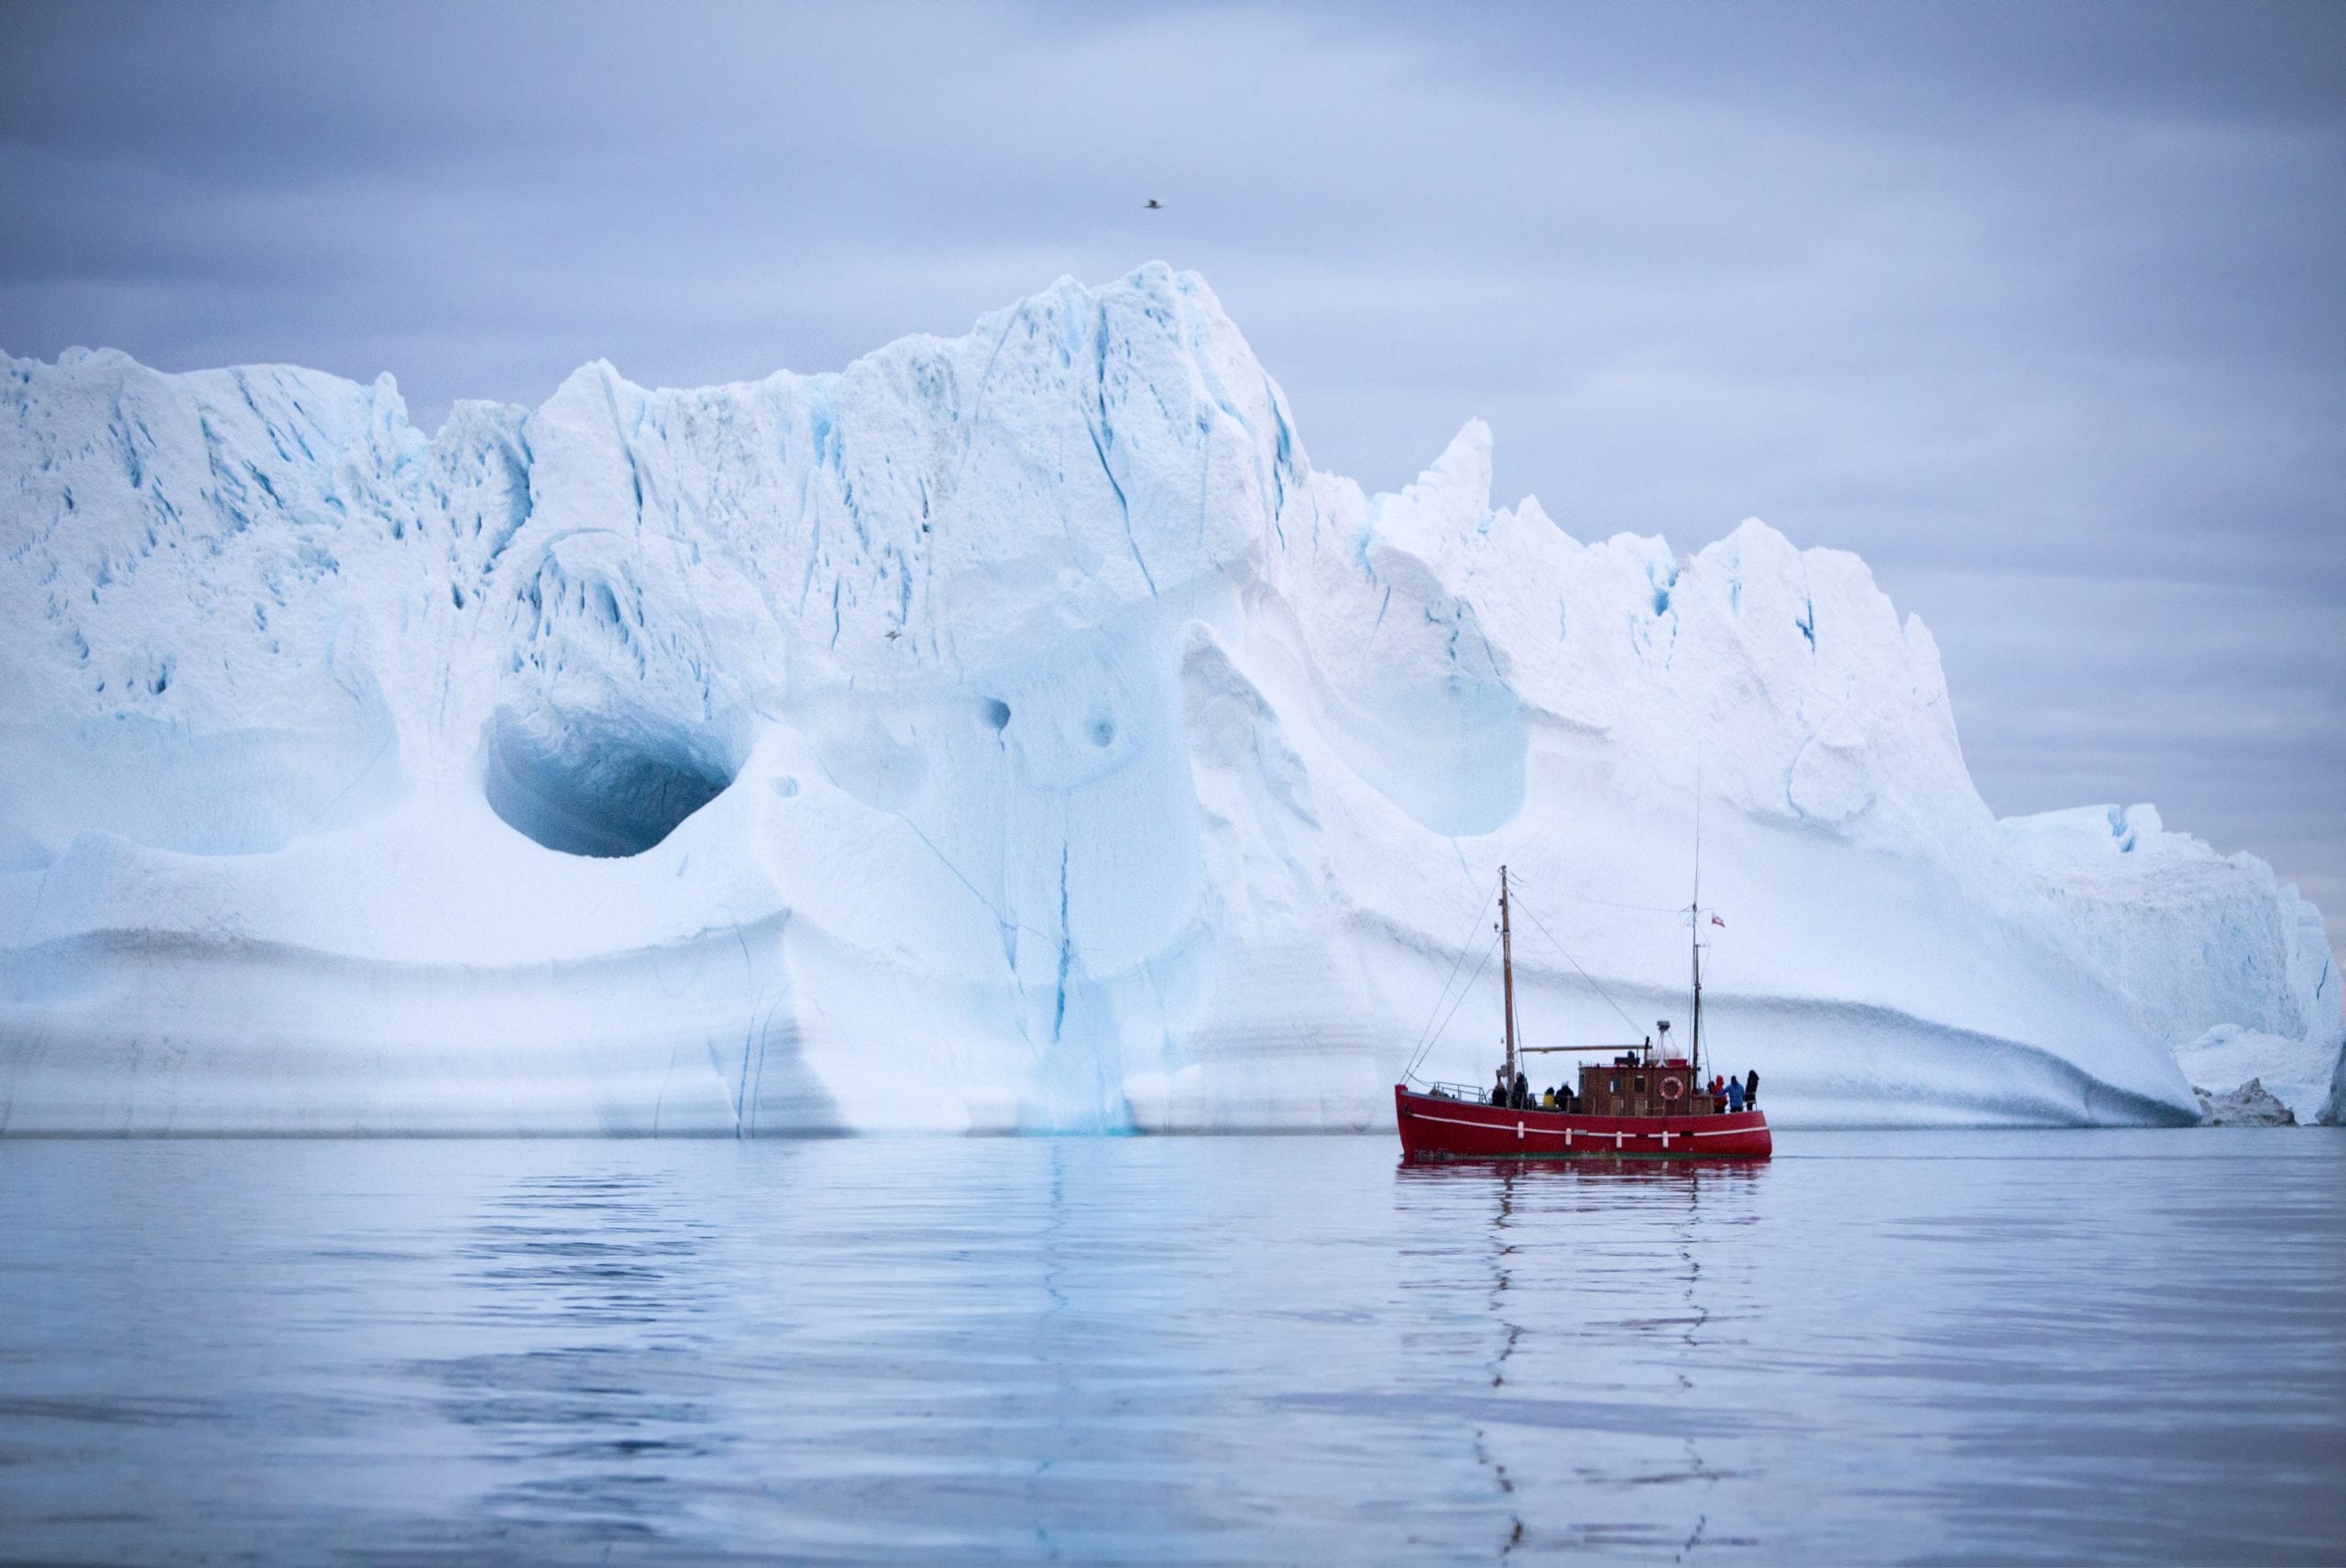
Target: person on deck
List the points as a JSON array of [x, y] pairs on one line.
[[1548, 1097], [1498, 1087], [1522, 1092], [1751, 1089], [1733, 1094]]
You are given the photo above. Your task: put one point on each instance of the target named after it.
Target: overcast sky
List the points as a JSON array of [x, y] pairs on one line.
[[2041, 309]]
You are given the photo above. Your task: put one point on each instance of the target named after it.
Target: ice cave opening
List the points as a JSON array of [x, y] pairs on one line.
[[599, 784]]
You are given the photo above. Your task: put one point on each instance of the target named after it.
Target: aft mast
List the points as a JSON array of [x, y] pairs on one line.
[[1506, 973], [1695, 929]]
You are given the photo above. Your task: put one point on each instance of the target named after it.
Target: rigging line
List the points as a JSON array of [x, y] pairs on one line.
[[1616, 903], [1453, 1008], [1457, 963], [1454, 967], [1433, 1033], [1515, 880], [1600, 991]]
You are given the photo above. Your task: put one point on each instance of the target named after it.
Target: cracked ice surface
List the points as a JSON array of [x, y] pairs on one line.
[[1007, 732]]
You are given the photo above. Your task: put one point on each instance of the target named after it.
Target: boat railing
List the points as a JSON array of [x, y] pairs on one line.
[[1476, 1094]]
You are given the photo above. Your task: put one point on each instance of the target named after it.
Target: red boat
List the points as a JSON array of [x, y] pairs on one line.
[[1645, 1102]]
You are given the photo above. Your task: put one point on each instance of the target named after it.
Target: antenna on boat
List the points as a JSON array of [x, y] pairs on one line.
[[1695, 1055], [1506, 973], [1695, 926]]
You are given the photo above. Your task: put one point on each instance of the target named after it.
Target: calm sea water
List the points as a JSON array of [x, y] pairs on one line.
[[1985, 1346]]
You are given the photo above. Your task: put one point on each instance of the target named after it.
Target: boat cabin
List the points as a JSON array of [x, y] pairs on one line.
[[1633, 1084]]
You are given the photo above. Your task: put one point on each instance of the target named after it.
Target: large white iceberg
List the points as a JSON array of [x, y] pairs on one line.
[[1009, 731]]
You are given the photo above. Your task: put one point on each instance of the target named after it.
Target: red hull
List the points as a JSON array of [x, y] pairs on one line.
[[1436, 1127]]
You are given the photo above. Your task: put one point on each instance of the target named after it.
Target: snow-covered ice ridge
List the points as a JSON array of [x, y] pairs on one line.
[[1008, 732]]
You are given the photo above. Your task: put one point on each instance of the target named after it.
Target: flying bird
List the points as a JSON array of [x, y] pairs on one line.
[[1153, 205]]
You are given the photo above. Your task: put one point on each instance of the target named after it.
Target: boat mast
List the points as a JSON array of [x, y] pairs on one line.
[[1506, 973], [1695, 923]]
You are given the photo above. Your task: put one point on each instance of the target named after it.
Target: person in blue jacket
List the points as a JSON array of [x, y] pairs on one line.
[[1734, 1095]]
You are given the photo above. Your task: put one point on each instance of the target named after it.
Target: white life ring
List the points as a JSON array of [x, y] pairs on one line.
[[1672, 1088]]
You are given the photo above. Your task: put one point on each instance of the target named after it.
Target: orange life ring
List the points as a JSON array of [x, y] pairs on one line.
[[1672, 1088]]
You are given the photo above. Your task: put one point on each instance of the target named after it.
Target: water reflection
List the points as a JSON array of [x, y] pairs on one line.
[[589, 1289], [1509, 1335], [1602, 1322], [1613, 1170], [1987, 1346]]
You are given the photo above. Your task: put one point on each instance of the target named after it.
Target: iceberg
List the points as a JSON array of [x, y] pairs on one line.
[[1007, 732]]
